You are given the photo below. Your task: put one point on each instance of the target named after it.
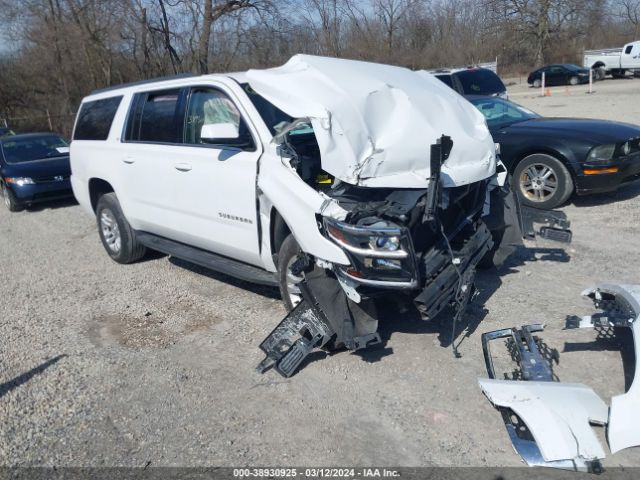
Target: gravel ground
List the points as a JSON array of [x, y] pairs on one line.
[[153, 363]]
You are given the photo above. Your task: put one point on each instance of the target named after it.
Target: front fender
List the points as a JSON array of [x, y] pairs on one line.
[[298, 204]]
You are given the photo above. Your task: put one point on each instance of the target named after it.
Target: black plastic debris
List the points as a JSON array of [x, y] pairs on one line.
[[525, 349], [322, 316]]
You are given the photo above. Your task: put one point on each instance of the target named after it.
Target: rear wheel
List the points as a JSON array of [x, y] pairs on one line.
[[118, 238], [10, 200], [542, 181], [537, 83]]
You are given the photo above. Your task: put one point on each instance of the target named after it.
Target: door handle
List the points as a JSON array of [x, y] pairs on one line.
[[182, 167], [128, 160]]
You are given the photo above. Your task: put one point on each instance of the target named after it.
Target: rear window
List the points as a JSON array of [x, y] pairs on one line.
[[480, 82], [95, 119]]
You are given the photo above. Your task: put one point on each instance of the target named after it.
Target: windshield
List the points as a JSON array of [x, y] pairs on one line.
[[34, 148], [501, 113], [275, 119], [480, 81]]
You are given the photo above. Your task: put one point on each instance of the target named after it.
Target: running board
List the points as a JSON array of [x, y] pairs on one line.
[[203, 258]]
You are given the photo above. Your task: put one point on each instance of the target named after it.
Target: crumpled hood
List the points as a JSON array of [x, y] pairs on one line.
[[375, 123]]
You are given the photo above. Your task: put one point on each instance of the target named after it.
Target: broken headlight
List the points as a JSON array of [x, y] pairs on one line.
[[380, 253]]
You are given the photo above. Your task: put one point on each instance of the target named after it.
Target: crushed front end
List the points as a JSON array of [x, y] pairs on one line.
[[393, 246]]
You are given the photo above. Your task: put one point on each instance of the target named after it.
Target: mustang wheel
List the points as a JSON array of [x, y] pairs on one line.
[[542, 181], [573, 81], [537, 83]]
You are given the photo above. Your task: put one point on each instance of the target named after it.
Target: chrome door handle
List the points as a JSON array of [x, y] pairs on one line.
[[182, 167]]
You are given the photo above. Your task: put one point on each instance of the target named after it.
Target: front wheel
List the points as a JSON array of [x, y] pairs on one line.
[[363, 314], [10, 200], [118, 238], [574, 81], [537, 83], [287, 281], [542, 181]]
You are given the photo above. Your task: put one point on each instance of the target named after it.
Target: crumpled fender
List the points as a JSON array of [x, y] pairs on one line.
[[298, 205]]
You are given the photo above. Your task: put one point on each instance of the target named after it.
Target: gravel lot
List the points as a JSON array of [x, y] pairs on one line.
[[153, 363]]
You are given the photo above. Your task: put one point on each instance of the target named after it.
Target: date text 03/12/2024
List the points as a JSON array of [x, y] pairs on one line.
[[350, 473]]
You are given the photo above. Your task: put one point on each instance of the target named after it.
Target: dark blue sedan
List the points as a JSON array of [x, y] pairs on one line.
[[34, 168]]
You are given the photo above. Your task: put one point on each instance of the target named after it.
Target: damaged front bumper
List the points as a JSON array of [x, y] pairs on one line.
[[549, 422]]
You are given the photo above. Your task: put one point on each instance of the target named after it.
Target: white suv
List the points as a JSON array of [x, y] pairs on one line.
[[343, 161]]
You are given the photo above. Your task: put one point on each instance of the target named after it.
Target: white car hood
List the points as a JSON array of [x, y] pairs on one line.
[[375, 123]]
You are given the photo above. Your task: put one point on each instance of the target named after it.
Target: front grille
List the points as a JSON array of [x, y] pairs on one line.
[[53, 178], [463, 205]]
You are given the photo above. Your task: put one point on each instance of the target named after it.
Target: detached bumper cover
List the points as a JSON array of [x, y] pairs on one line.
[[557, 415], [621, 307]]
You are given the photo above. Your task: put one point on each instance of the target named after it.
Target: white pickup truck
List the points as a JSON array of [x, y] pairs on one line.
[[337, 178], [613, 61]]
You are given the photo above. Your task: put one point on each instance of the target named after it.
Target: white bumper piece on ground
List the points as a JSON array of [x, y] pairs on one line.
[[622, 303], [557, 415]]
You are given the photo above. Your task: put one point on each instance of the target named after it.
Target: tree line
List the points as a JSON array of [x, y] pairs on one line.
[[54, 52]]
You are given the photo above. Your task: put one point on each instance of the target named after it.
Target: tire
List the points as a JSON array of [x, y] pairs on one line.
[[574, 80], [364, 314], [542, 181], [286, 255], [10, 200], [537, 83], [600, 73], [118, 238], [618, 73]]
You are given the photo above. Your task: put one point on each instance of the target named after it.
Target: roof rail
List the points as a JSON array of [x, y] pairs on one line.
[[142, 82]]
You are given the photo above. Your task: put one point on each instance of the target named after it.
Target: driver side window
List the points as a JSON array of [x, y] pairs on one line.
[[208, 106]]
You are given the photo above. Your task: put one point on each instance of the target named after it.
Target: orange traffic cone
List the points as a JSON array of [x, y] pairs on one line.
[[547, 92]]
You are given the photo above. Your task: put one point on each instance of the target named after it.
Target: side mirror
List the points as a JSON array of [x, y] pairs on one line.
[[219, 133]]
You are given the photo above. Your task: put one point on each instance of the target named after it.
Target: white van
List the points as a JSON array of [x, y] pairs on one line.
[[376, 175]]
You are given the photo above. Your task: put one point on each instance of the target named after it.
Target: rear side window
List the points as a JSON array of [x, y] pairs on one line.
[[95, 119], [154, 118], [480, 82], [446, 79]]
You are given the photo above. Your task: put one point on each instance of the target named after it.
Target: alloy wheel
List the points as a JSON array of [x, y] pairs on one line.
[[538, 182], [110, 231]]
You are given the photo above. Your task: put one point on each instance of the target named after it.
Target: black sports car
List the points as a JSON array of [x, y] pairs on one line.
[[551, 158], [563, 74]]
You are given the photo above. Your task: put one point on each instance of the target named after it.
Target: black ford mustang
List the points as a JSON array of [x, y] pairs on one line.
[[551, 158]]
